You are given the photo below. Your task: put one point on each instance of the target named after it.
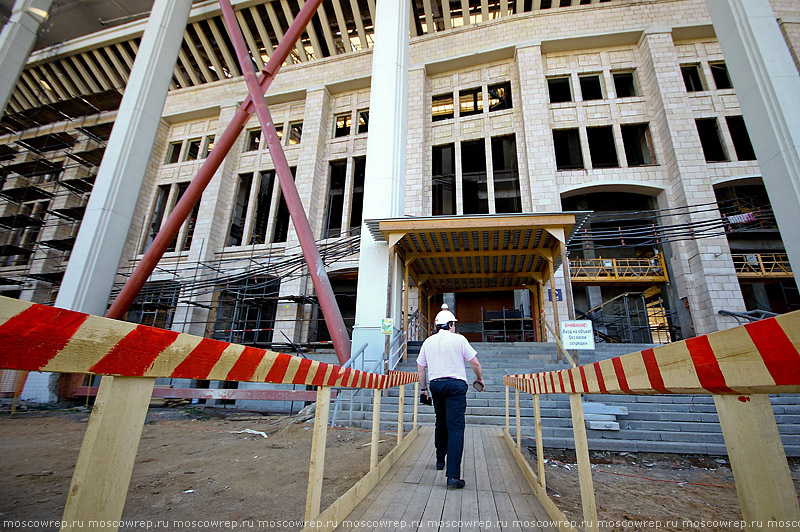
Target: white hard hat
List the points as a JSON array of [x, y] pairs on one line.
[[445, 317]]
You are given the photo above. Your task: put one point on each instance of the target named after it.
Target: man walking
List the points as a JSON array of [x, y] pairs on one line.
[[443, 356]]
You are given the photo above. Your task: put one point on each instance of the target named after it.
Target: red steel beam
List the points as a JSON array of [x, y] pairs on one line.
[[195, 189], [316, 268]]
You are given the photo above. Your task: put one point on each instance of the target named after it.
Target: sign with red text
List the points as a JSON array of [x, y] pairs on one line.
[[577, 334]]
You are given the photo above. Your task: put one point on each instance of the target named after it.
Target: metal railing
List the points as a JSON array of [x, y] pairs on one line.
[[651, 269], [760, 265]]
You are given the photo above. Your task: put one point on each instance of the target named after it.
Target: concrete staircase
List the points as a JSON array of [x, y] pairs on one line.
[[653, 423]]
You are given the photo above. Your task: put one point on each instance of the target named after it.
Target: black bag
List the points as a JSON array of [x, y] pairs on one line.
[[425, 399]]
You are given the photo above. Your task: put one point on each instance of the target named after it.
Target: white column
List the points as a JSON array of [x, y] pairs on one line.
[[98, 248], [384, 185], [767, 84], [16, 42]]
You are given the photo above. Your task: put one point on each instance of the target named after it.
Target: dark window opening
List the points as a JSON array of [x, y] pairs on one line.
[[246, 312], [546, 4], [602, 149], [173, 152], [190, 223], [208, 146], [711, 140], [692, 78], [443, 180], [560, 90], [342, 127], [567, 146], [638, 145], [253, 140], [507, 197], [159, 207], [193, 150], [262, 207], [236, 232], [624, 84], [470, 102], [279, 131], [442, 107], [295, 133], [281, 231], [363, 121], [357, 205], [591, 88], [333, 222], [741, 140], [155, 305], [473, 177], [565, 3], [721, 77], [500, 96]]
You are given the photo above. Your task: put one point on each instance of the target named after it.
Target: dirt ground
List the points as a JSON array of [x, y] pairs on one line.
[[197, 470], [637, 492], [193, 470]]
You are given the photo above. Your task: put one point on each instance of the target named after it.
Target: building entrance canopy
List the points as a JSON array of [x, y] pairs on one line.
[[479, 253]]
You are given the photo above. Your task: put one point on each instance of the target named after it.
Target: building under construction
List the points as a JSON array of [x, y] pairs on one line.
[[623, 113]]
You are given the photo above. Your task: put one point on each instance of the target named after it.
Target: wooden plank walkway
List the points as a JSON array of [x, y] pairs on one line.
[[414, 496]]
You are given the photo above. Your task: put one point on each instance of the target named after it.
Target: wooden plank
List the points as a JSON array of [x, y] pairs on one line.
[[105, 462], [763, 480], [220, 393], [531, 513], [537, 412], [506, 513], [481, 466], [507, 410], [451, 513], [316, 468], [487, 510], [416, 505], [401, 399], [584, 466], [470, 516], [433, 508], [519, 419], [468, 464], [424, 460], [495, 476], [505, 462], [376, 425]]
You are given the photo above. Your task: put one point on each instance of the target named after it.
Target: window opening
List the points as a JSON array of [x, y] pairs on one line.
[[155, 305], [173, 152], [624, 84], [470, 102], [236, 233], [190, 222], [342, 126], [442, 107], [721, 77], [281, 231], [602, 149], [333, 224], [208, 146], [192, 150], [357, 205], [507, 197], [279, 131], [157, 216], [262, 207], [295, 133], [638, 144], [473, 177], [443, 180], [567, 144], [560, 89], [363, 122], [708, 129], [591, 88], [741, 139], [692, 78], [500, 96], [253, 140], [246, 311]]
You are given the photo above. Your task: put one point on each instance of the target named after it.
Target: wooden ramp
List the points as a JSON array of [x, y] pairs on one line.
[[414, 496]]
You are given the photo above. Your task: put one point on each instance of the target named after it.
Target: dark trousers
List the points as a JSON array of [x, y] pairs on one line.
[[450, 404]]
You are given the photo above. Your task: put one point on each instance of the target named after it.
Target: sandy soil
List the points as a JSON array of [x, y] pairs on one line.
[[190, 467], [639, 492]]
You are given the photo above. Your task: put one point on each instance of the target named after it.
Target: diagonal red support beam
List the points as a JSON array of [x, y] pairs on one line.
[[316, 268], [195, 189]]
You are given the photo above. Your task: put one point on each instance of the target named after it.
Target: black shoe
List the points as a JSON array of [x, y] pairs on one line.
[[439, 465], [456, 483]]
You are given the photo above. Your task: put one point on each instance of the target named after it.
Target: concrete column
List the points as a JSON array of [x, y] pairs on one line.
[[16, 43], [384, 186], [767, 84], [101, 239]]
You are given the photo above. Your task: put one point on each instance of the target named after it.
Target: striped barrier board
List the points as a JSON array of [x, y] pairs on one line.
[[758, 357], [41, 338]]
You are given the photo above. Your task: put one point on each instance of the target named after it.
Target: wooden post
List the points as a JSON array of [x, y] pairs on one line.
[[405, 313], [316, 468], [416, 403], [400, 404], [763, 480], [584, 466], [539, 443], [554, 301], [105, 462], [519, 424], [508, 407], [541, 298], [376, 425]]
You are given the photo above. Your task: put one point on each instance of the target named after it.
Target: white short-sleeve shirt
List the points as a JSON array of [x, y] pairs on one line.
[[444, 354]]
